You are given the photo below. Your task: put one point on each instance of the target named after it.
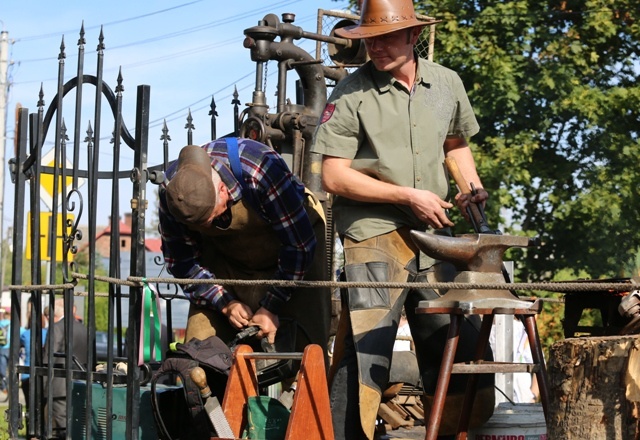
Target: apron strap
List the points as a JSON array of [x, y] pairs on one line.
[[236, 169]]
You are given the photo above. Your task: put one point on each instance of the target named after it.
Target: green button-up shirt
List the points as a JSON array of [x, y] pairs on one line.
[[394, 135]]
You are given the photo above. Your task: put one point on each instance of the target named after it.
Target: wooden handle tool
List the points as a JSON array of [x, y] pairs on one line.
[[474, 210]]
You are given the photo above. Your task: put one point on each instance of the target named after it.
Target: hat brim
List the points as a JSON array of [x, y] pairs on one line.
[[359, 31]]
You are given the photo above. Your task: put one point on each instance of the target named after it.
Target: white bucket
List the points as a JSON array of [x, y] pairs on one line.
[[521, 421]]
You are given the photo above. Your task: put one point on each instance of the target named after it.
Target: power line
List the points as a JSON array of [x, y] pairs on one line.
[[174, 34], [170, 56], [202, 27], [186, 53], [124, 20], [199, 103], [158, 121]]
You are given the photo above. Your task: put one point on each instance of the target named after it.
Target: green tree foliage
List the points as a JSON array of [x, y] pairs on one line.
[[554, 86]]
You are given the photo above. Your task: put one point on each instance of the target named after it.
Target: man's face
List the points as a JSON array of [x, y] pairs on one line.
[[390, 51], [221, 201]]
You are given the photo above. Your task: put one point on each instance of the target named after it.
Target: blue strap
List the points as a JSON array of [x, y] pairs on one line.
[[234, 160], [236, 169]]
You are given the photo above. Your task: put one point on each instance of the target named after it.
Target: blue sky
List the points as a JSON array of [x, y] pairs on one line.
[[187, 51]]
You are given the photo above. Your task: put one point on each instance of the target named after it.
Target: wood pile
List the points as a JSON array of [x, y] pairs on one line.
[[403, 410]]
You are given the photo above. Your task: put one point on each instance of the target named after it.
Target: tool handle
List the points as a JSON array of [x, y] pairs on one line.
[[477, 217], [452, 166], [199, 377]]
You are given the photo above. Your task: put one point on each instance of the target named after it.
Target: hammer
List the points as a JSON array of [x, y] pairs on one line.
[[474, 210]]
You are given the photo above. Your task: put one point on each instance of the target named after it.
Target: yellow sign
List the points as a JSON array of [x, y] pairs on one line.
[[47, 180], [46, 226]]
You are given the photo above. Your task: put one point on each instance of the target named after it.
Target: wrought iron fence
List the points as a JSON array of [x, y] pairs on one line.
[[64, 256]]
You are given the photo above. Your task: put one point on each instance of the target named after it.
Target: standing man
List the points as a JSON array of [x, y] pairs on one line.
[[5, 326], [59, 347], [384, 135], [251, 220], [25, 342]]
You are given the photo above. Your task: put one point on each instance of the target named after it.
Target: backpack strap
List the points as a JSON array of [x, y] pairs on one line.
[[212, 352], [181, 367], [236, 169]]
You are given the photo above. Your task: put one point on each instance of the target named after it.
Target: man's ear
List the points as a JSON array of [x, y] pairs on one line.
[[414, 35]]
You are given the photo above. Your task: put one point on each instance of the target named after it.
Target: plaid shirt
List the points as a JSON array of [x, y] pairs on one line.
[[281, 198]]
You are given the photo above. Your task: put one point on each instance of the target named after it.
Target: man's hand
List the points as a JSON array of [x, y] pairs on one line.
[[430, 208], [237, 313], [268, 323], [463, 200]]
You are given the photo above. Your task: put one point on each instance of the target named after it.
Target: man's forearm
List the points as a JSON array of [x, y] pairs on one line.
[[466, 164], [339, 179]]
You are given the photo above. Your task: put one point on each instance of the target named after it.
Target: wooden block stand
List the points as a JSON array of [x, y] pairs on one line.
[[595, 383], [310, 413]]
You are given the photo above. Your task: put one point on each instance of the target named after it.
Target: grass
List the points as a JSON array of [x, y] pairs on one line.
[[4, 425]]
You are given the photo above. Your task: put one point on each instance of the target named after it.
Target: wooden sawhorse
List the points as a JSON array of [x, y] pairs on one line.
[[310, 413]]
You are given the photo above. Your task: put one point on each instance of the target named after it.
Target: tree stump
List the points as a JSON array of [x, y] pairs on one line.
[[594, 385]]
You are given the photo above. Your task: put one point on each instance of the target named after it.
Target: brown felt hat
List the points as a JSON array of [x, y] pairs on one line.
[[381, 17], [191, 194]]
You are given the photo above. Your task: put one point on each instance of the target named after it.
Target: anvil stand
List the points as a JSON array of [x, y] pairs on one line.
[[478, 258]]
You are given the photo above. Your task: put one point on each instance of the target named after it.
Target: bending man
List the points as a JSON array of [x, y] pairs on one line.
[[252, 221]]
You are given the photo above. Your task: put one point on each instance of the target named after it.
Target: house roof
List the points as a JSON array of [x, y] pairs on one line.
[[153, 244]]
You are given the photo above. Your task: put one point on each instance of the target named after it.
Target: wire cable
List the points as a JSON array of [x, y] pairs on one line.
[[124, 20]]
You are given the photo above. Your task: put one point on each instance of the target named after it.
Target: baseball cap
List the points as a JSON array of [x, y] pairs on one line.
[[191, 194]]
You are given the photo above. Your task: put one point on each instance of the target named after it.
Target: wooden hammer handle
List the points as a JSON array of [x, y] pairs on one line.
[[452, 166], [474, 211]]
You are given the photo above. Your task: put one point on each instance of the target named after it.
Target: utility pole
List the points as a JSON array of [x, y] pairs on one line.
[[4, 91]]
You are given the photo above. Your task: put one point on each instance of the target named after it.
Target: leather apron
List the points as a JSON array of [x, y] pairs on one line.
[[249, 249], [372, 315]]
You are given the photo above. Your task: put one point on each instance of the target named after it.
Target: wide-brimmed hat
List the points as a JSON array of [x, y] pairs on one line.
[[191, 194], [381, 17]]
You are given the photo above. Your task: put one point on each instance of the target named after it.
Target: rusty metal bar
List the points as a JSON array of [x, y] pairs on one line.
[[138, 209]]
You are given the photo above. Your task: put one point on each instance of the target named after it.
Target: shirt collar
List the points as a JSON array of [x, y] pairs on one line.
[[235, 192], [422, 74], [384, 80]]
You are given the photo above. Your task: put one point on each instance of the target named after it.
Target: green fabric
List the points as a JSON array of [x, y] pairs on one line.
[[150, 312], [395, 136], [267, 419]]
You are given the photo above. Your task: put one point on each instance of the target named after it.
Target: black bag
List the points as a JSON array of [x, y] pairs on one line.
[[179, 410]]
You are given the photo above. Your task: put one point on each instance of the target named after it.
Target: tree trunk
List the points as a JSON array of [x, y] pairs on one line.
[[594, 387]]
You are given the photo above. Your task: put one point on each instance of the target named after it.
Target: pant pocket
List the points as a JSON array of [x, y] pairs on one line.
[[368, 297]]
